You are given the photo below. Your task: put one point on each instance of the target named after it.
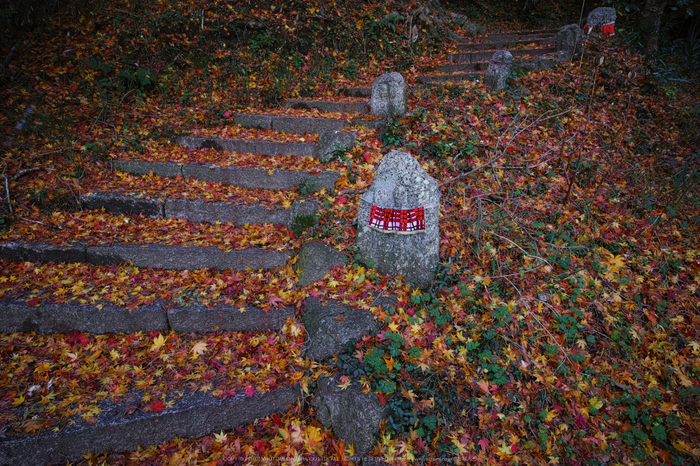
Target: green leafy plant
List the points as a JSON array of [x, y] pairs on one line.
[[392, 133]]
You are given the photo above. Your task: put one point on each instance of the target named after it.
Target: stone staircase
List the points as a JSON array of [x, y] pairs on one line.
[[123, 210], [472, 59], [207, 229]]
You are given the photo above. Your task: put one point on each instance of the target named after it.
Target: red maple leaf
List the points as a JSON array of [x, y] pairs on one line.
[[158, 406], [483, 443], [275, 301]]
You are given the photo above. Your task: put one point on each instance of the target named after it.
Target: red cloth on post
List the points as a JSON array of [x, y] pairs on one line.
[[397, 220]]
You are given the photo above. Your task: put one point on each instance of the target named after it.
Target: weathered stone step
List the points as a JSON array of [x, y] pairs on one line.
[[298, 125], [18, 316], [332, 106], [505, 44], [439, 78], [152, 255], [472, 57], [497, 36], [357, 91], [271, 148], [198, 211], [251, 178], [478, 66], [117, 429]]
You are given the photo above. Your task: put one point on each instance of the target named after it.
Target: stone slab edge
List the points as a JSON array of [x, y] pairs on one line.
[[251, 178], [438, 78], [193, 416], [329, 106], [193, 210], [18, 316], [154, 255], [474, 57], [269, 148], [476, 47]]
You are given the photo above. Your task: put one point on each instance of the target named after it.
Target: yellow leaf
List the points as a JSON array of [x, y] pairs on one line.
[[199, 348], [114, 354], [668, 407], [350, 451], [695, 346], [314, 436], [389, 362], [344, 382], [18, 401], [220, 437], [550, 415], [158, 343], [596, 403]]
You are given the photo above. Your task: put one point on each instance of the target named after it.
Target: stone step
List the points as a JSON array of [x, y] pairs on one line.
[[150, 255], [118, 429], [46, 318], [251, 178], [478, 66], [298, 125], [332, 106], [271, 148], [439, 78], [520, 35], [473, 57], [196, 210], [504, 44], [357, 91]]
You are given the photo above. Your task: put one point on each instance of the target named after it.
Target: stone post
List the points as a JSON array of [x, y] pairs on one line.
[[397, 222], [388, 96], [498, 70], [570, 39]]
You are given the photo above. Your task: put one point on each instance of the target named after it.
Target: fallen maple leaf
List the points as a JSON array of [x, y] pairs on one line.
[[158, 406], [199, 348], [344, 382], [250, 390], [158, 343], [275, 301]]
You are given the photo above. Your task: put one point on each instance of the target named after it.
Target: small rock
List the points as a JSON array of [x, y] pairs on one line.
[[474, 29], [316, 259], [551, 60], [528, 64], [498, 71], [389, 96], [331, 329], [332, 142], [354, 416], [570, 39]]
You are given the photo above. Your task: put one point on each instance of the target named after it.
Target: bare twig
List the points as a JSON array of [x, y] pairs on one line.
[[462, 175], [21, 173], [566, 355], [503, 152], [35, 221], [44, 153], [77, 200], [523, 251], [9, 200]]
